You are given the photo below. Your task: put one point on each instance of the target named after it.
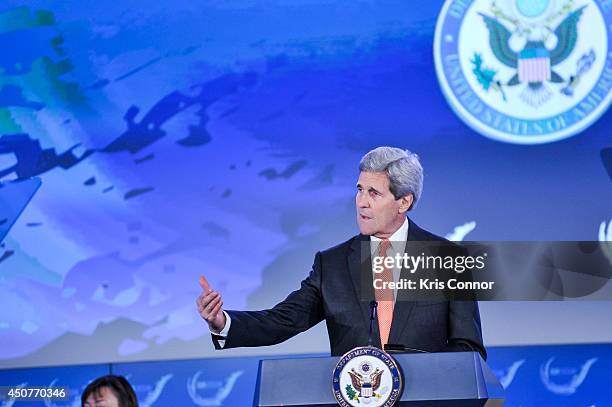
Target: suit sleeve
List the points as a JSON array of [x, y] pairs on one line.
[[465, 332], [301, 310]]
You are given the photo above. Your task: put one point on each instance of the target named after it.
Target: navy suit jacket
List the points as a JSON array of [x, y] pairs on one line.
[[334, 292]]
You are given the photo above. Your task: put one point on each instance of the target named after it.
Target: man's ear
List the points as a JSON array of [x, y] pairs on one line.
[[406, 203]]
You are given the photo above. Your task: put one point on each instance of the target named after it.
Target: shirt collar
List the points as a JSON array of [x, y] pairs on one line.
[[400, 235]]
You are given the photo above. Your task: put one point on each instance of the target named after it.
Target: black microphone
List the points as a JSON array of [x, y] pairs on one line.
[[399, 348], [373, 306]]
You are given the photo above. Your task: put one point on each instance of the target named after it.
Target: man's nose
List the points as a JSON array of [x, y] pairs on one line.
[[362, 201]]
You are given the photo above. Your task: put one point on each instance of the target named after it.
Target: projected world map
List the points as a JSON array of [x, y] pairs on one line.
[[222, 138]]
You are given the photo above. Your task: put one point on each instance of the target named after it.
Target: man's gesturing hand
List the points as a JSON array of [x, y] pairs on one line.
[[209, 306]]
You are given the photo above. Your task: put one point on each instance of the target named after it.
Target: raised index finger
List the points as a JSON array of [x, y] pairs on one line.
[[204, 284]]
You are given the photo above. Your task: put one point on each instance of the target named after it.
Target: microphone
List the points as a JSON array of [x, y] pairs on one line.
[[373, 306], [398, 348]]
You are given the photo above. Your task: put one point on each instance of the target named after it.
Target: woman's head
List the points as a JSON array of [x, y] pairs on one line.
[[109, 391]]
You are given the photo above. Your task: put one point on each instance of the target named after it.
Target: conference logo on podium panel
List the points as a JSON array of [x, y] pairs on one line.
[[525, 71], [367, 376]]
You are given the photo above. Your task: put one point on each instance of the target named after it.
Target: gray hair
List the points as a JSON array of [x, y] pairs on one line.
[[402, 167]]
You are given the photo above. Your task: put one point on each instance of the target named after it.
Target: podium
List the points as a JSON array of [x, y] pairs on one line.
[[430, 379]]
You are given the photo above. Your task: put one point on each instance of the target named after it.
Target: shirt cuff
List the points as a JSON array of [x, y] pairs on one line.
[[224, 331]]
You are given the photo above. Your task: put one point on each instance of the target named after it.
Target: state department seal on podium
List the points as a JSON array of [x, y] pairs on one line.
[[367, 376]]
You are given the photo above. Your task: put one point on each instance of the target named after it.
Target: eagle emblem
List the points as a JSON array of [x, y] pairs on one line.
[[367, 376], [525, 71], [533, 49], [366, 384]]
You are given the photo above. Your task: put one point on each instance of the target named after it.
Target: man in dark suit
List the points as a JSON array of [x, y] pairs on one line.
[[389, 185]]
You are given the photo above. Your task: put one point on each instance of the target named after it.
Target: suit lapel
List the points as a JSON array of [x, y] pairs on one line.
[[361, 277]]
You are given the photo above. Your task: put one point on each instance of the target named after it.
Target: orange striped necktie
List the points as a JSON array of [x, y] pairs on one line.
[[384, 297]]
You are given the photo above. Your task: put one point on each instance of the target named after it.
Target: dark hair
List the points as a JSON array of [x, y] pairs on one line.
[[118, 385]]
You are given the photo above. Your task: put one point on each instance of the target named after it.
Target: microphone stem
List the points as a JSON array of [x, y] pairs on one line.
[[373, 306]]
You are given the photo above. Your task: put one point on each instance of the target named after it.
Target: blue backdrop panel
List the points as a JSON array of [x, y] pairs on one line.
[[203, 382], [75, 378], [554, 375], [576, 375]]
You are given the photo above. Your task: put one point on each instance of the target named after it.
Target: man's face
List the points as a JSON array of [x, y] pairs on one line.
[[104, 398], [378, 212]]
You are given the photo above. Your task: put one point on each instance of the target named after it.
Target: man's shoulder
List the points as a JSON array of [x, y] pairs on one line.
[[415, 232], [425, 235], [343, 248], [422, 235]]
